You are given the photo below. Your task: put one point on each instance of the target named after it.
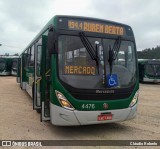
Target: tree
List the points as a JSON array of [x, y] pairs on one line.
[[153, 53]]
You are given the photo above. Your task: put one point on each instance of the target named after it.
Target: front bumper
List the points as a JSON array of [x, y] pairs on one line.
[[64, 117]]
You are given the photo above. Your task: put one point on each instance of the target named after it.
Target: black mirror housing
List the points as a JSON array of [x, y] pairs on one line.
[[51, 41]]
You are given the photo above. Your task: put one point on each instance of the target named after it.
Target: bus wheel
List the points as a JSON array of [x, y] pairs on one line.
[[38, 110]]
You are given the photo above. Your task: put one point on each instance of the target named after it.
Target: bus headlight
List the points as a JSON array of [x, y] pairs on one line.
[[134, 100], [63, 101]]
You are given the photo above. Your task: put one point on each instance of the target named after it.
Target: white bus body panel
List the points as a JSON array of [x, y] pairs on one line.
[[64, 117], [23, 85]]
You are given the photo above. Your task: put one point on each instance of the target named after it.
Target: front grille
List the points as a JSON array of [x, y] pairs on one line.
[[100, 97]]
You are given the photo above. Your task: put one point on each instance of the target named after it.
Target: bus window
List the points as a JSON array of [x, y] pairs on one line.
[[32, 57], [28, 56], [39, 52], [2, 65]]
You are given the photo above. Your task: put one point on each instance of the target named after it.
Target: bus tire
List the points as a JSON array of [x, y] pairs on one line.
[[38, 111]]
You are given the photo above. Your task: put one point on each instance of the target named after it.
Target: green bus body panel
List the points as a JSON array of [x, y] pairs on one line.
[[77, 104]]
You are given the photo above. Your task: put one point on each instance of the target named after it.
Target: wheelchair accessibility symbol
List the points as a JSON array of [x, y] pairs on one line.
[[112, 80]]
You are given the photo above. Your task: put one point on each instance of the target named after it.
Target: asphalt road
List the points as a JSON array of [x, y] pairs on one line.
[[18, 121]]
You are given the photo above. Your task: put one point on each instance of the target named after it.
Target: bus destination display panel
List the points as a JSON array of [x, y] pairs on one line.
[[96, 27]]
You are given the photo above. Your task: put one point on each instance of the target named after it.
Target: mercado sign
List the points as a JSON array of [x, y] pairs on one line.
[[80, 70]]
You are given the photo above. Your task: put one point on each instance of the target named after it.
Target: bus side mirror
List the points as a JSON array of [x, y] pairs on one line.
[[51, 40]]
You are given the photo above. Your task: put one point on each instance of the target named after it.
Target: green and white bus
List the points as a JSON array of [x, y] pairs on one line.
[[82, 71], [149, 70], [5, 65]]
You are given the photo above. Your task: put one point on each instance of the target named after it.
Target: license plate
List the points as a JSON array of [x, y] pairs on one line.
[[104, 117]]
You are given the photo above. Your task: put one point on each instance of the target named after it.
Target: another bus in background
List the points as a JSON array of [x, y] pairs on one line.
[[149, 70], [5, 65], [8, 65]]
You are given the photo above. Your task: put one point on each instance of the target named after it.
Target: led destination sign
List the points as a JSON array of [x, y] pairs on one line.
[[96, 27], [80, 70]]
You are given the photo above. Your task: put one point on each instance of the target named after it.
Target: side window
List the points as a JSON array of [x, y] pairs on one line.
[[28, 56], [39, 52], [39, 57], [32, 56], [25, 58]]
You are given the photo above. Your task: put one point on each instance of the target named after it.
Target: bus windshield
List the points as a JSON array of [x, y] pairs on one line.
[[153, 69], [2, 65], [79, 70]]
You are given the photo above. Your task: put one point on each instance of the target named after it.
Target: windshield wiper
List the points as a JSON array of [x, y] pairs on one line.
[[113, 52], [92, 52]]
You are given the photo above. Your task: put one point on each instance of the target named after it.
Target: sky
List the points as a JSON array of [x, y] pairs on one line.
[[21, 20]]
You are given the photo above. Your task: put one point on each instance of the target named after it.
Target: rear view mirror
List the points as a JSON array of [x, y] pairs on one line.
[[51, 41]]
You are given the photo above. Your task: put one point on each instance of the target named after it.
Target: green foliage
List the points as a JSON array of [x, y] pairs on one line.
[[153, 53]]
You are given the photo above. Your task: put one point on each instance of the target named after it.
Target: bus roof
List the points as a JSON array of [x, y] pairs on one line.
[[54, 21], [87, 18]]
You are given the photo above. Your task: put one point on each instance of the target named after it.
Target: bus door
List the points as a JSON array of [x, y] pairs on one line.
[[45, 109], [37, 78], [40, 102]]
